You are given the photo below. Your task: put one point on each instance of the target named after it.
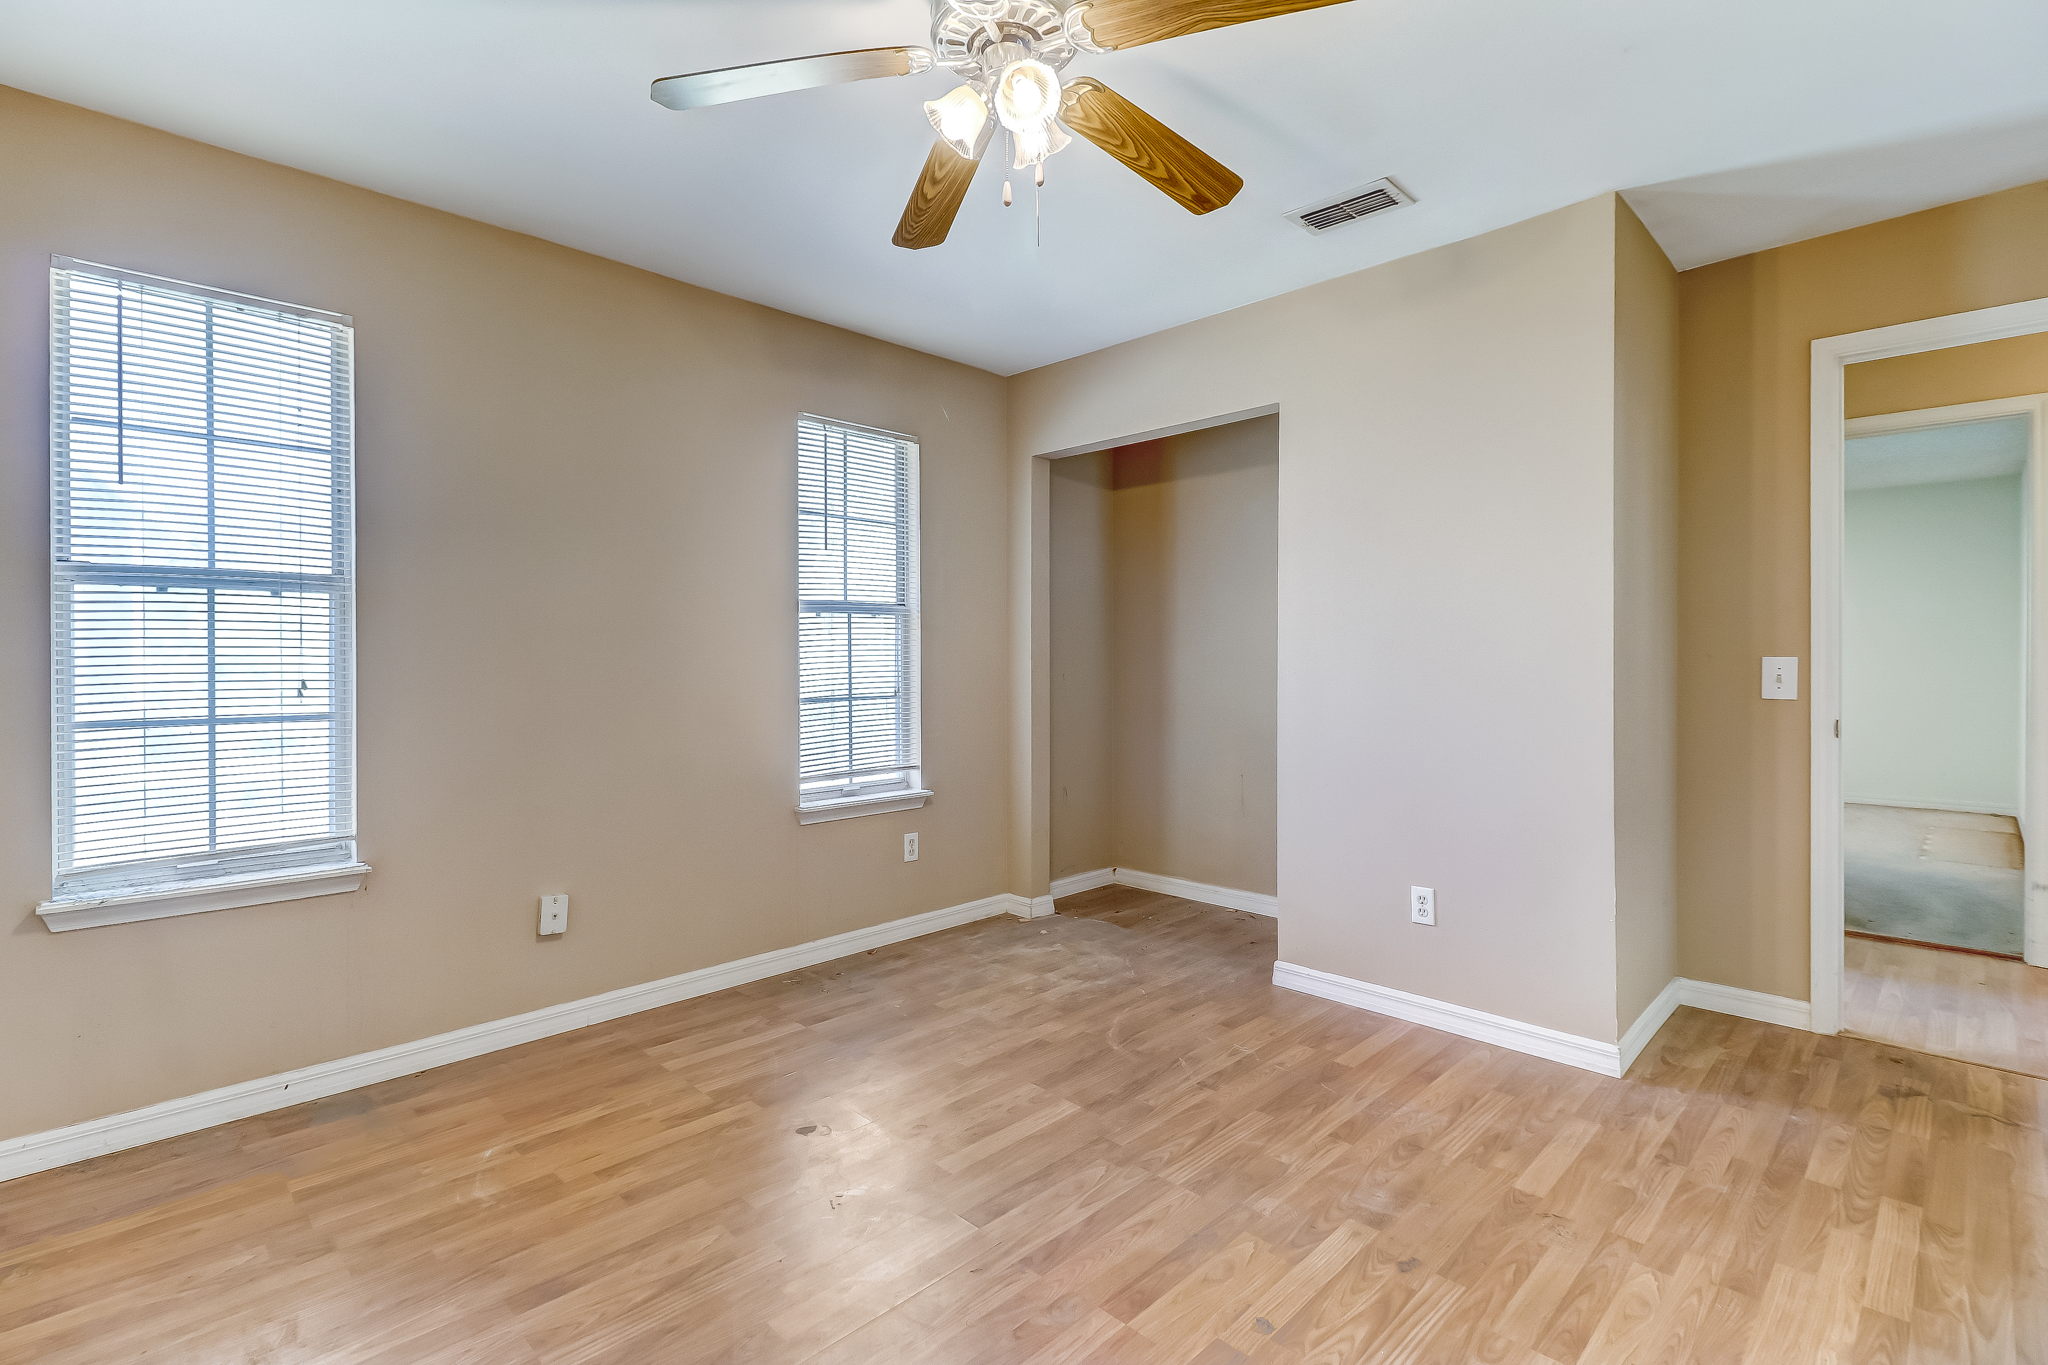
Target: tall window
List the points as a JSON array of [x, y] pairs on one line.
[[857, 632], [201, 536]]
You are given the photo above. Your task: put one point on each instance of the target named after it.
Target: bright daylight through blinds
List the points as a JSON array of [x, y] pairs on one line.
[[200, 458], [857, 613]]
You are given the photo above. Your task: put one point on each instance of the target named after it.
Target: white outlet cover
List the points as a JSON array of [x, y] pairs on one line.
[[554, 914]]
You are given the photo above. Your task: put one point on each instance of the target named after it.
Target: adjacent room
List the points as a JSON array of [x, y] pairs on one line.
[[1023, 682], [1941, 539]]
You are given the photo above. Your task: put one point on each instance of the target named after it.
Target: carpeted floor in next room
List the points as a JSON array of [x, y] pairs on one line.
[[1929, 876]]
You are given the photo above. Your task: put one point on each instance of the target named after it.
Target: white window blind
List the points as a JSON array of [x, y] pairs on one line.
[[857, 629], [201, 534]]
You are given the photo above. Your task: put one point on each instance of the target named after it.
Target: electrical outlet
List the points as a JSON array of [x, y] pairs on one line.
[[1422, 904], [554, 914], [910, 848]]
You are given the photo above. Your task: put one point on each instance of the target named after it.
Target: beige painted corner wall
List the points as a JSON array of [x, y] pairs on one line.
[[1197, 676], [1645, 616], [2009, 368], [1446, 590], [1164, 641], [576, 484], [1746, 331], [1083, 634]]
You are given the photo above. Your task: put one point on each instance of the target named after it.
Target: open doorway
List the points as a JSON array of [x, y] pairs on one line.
[[1937, 683], [1933, 644], [1163, 600]]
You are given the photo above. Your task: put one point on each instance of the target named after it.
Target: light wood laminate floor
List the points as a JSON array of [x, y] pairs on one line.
[[1105, 1137], [1981, 1009]]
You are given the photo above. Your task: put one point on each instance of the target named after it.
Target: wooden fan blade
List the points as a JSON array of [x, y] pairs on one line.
[[1191, 177], [933, 205], [701, 88], [1116, 24]]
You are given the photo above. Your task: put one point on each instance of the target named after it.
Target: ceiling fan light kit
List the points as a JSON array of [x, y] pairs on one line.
[[1009, 55]]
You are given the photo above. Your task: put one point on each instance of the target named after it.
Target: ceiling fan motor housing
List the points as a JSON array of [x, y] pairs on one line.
[[976, 39]]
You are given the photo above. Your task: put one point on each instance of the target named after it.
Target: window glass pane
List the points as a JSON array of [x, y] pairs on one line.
[[140, 793], [275, 782], [273, 653], [273, 509], [138, 652], [137, 497]]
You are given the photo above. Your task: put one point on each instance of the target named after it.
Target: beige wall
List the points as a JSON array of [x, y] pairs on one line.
[[1645, 615], [2010, 368], [1747, 326], [1083, 634], [1447, 598], [1164, 651], [576, 484]]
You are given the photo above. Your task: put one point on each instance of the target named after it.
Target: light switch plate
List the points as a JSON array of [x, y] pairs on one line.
[[1781, 678]]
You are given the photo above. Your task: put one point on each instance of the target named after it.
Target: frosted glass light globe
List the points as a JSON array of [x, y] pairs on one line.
[[960, 118], [1027, 95]]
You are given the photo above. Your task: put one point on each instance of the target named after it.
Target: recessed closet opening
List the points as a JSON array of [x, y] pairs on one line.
[[1163, 604]]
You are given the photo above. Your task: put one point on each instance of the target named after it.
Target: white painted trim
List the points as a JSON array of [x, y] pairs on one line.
[[1251, 902], [1074, 885], [172, 1118], [1827, 495], [269, 889], [1733, 1000], [1828, 436], [1647, 1023], [1906, 803], [1162, 433], [1914, 419], [1569, 1048], [1588, 1054], [1031, 907], [850, 807]]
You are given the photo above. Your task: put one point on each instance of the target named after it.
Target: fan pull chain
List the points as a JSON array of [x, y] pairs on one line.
[[1038, 207], [1009, 159]]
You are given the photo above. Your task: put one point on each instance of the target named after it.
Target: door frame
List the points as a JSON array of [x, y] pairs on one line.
[[1829, 436]]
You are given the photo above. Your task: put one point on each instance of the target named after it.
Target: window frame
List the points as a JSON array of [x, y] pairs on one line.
[[892, 789], [255, 874]]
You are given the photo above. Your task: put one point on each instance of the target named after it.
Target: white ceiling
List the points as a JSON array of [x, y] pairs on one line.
[[1942, 454], [534, 114]]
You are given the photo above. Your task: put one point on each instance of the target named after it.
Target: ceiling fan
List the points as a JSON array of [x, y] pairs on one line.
[[1010, 54]]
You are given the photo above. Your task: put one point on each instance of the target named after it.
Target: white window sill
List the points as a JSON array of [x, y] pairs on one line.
[[848, 807], [201, 897]]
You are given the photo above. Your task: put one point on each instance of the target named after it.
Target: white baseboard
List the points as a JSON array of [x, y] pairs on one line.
[[1588, 1054], [1765, 1009], [1029, 907], [1251, 902], [1959, 807], [1082, 881], [173, 1118], [1585, 1053], [1638, 1035]]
